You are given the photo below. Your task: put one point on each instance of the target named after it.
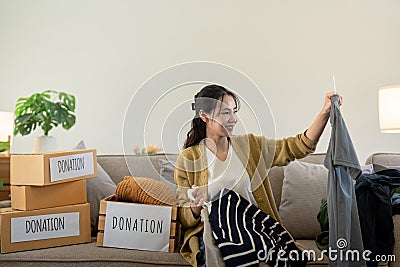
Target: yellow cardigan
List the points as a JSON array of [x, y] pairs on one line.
[[257, 153]]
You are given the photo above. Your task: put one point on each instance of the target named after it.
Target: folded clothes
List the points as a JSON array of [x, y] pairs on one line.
[[145, 191]]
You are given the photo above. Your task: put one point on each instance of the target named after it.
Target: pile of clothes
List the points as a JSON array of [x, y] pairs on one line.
[[378, 199], [375, 199]]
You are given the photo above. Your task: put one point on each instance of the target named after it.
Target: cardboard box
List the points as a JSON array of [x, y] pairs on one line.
[[52, 168], [5, 168], [27, 197], [27, 230], [137, 226]]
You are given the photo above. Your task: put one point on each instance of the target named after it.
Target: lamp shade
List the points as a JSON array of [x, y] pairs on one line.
[[389, 109]]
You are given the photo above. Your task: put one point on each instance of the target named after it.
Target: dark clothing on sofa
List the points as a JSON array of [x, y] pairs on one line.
[[374, 193], [396, 203], [342, 163]]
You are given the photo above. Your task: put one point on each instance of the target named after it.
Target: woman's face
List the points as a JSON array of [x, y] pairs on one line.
[[222, 119]]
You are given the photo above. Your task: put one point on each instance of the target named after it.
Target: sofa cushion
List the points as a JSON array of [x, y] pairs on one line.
[[304, 185], [167, 169], [314, 255], [96, 189], [275, 175], [384, 159], [119, 166], [89, 255]]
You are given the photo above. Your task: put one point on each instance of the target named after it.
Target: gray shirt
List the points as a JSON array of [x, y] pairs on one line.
[[342, 163]]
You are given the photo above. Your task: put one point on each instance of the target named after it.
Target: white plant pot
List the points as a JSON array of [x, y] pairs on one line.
[[44, 144]]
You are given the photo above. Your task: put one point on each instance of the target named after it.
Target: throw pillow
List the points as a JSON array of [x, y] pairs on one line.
[[167, 169], [97, 189], [304, 185]]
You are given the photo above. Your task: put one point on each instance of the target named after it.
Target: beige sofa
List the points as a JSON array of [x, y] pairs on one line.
[[115, 165]]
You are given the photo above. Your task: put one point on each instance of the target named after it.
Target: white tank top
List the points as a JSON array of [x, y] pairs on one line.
[[228, 174]]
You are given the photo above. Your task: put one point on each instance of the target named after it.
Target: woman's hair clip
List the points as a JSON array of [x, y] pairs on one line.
[[193, 106]]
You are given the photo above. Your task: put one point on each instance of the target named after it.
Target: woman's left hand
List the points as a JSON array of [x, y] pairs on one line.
[[317, 127], [327, 104]]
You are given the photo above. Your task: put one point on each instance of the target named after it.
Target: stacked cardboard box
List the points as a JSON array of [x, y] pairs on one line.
[[48, 200]]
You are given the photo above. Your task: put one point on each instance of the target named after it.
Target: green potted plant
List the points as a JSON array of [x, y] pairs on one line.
[[4, 146], [46, 110]]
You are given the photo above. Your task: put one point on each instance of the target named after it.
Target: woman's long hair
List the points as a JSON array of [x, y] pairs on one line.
[[205, 100]]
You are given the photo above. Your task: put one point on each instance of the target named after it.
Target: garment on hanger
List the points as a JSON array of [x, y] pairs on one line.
[[342, 163]]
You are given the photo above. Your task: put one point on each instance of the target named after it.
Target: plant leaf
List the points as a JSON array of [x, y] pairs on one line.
[[70, 121], [68, 100], [41, 110]]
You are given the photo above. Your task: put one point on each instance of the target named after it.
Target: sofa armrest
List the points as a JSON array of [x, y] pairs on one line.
[[396, 247]]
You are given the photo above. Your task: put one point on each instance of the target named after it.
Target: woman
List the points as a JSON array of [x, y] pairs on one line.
[[214, 159]]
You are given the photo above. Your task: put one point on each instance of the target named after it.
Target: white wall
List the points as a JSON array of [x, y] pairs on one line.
[[102, 51]]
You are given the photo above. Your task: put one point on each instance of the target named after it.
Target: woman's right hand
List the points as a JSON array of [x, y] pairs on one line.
[[196, 204]]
